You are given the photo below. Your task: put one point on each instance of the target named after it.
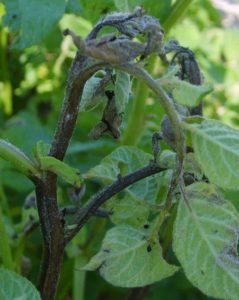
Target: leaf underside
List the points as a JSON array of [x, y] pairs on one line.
[[216, 148], [16, 287], [127, 260], [205, 241]]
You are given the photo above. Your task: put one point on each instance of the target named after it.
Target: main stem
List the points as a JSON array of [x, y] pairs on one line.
[[46, 188]]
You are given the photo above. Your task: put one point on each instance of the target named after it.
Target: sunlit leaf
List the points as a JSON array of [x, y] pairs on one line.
[[217, 150], [127, 259], [16, 287], [205, 241]]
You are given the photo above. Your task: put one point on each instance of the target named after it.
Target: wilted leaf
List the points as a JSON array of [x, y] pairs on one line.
[[205, 241], [127, 259]]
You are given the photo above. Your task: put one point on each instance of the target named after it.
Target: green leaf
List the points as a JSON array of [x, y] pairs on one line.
[[122, 5], [90, 98], [122, 90], [73, 7], [205, 241], [32, 20], [93, 10], [128, 210], [24, 130], [184, 92], [167, 159], [216, 148], [19, 159], [69, 174], [126, 259], [124, 160], [16, 287], [191, 166]]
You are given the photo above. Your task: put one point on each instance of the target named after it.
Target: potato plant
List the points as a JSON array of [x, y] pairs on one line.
[[167, 206]]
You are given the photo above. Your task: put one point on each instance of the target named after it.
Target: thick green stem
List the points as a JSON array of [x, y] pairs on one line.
[[177, 12], [5, 249]]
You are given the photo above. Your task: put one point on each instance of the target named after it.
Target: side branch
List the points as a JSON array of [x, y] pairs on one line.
[[168, 105], [106, 193], [165, 101]]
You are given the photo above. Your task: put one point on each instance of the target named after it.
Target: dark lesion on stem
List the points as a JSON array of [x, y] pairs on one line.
[[94, 54], [50, 217], [106, 193]]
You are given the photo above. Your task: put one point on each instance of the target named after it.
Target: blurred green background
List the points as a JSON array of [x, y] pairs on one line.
[[32, 81]]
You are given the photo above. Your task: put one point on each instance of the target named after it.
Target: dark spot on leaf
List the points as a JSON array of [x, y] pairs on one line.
[[31, 217], [101, 265], [146, 226], [202, 272], [216, 199], [14, 16], [215, 231], [106, 250], [149, 248]]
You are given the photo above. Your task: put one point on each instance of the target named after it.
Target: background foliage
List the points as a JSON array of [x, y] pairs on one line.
[[34, 67]]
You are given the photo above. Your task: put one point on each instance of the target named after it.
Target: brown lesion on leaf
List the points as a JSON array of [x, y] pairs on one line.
[[117, 49], [120, 48], [110, 121]]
